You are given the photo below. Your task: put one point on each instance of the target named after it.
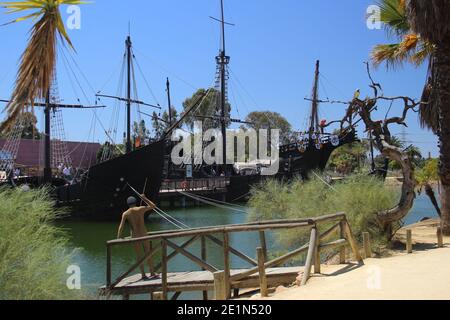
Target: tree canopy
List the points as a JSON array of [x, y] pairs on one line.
[[270, 120], [208, 107]]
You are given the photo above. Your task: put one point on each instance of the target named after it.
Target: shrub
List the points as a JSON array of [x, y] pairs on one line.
[[33, 255], [359, 196]]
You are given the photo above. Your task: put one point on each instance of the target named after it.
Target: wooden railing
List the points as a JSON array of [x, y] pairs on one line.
[[223, 280]]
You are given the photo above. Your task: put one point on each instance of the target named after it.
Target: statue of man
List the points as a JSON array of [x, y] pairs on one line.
[[135, 216]]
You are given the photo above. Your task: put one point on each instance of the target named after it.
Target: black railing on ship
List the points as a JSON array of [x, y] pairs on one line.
[[194, 184]]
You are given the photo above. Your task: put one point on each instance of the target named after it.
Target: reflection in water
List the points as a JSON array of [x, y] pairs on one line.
[[90, 237]]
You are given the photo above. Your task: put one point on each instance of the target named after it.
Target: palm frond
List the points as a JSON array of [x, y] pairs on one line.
[[38, 61], [393, 16], [424, 51], [412, 49]]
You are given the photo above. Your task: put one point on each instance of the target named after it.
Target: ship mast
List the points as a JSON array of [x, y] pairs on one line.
[[223, 60], [128, 100], [169, 103], [47, 141], [314, 120], [128, 44], [48, 106]]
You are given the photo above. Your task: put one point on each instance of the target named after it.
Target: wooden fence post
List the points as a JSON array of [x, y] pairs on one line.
[[157, 296], [204, 257], [440, 236], [164, 269], [310, 256], [409, 245], [342, 253], [367, 245], [227, 267], [317, 262], [262, 240], [262, 272], [220, 287]]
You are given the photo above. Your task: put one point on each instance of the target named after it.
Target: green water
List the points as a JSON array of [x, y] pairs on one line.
[[90, 237]]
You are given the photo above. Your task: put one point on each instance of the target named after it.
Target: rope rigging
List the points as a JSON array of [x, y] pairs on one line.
[[213, 202]]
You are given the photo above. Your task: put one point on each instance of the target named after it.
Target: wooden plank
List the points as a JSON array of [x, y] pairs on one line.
[[204, 258], [234, 251], [175, 253], [327, 218], [201, 280], [191, 257], [226, 262], [310, 256], [327, 234], [262, 272], [270, 264], [199, 232], [353, 243], [334, 244], [220, 287]]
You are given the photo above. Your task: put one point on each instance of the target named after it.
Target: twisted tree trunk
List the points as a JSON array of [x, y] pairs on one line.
[[388, 217]]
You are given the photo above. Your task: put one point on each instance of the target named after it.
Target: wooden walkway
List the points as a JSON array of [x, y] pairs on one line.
[[200, 281], [262, 274]]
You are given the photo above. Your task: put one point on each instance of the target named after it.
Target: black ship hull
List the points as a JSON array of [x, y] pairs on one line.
[[296, 161], [103, 192]]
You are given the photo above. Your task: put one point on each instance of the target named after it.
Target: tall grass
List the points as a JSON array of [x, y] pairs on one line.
[[359, 196], [33, 255]]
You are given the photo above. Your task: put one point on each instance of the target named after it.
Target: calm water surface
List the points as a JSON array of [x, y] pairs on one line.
[[90, 237]]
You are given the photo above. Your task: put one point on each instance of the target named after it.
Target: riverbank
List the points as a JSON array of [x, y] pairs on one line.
[[422, 275]]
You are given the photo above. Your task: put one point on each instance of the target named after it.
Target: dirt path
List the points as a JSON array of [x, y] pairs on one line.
[[423, 275]]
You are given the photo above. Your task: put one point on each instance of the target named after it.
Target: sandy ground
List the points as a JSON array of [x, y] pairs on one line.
[[423, 275]]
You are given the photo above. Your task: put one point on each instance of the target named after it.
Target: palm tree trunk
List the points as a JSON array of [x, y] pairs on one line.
[[442, 69]]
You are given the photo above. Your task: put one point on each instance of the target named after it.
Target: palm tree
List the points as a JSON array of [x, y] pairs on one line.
[[37, 64], [410, 47], [430, 19]]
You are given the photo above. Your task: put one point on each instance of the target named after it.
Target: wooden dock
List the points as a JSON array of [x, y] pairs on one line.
[[262, 273], [200, 281]]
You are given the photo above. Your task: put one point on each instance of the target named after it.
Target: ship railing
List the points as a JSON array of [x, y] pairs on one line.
[[207, 184]]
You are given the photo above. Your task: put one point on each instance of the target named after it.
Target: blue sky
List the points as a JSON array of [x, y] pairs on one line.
[[273, 46]]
